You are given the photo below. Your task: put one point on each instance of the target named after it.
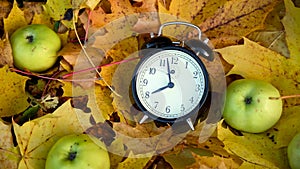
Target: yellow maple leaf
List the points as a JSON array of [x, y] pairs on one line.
[[257, 149], [36, 137], [14, 20], [9, 155], [253, 61], [291, 21], [134, 161], [13, 98], [224, 22]]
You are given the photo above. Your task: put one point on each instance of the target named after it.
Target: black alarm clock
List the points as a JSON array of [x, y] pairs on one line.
[[170, 83]]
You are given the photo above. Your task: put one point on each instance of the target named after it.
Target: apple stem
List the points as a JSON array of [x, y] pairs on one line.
[[285, 97], [29, 38]]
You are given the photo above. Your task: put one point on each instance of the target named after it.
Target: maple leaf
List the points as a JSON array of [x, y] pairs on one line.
[[253, 61], [257, 149], [35, 138], [9, 154], [291, 21], [134, 161], [14, 20], [224, 22], [13, 98], [215, 161], [272, 36]]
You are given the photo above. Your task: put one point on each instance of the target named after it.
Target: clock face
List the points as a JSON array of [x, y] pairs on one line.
[[171, 83]]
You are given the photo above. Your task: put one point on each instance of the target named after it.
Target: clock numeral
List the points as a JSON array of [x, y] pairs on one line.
[[152, 71], [182, 108], [191, 99], [174, 60], [147, 94], [198, 88], [162, 62], [168, 109], [144, 82], [195, 74], [186, 64], [156, 104]]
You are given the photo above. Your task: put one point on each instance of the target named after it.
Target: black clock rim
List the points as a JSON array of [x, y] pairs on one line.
[[146, 53]]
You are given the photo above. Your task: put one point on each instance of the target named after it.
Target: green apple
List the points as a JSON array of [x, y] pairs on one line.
[[78, 152], [250, 105], [35, 47], [293, 152]]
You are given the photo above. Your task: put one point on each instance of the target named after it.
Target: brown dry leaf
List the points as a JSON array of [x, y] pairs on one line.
[[14, 20], [147, 138], [236, 19], [36, 137], [70, 53], [9, 154], [224, 22], [273, 34], [215, 162], [6, 57], [13, 98], [119, 9]]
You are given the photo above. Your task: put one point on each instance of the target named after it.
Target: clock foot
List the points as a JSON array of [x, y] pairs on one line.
[[190, 123], [143, 119]]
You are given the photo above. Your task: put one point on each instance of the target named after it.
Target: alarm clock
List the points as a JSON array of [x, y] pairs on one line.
[[170, 83]]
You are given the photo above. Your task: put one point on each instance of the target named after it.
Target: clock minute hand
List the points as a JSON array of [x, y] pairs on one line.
[[169, 72]]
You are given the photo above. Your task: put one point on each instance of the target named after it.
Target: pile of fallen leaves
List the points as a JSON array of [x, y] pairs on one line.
[[256, 39]]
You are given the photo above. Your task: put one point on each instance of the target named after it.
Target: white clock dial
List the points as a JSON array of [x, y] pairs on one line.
[[170, 84]]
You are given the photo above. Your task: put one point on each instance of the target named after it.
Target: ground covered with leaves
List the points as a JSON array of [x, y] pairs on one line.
[[255, 39]]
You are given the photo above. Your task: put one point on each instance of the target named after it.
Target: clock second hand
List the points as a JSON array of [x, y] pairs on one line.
[[170, 84]]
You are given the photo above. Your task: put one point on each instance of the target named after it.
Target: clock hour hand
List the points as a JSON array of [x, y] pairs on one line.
[[160, 89], [170, 85]]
